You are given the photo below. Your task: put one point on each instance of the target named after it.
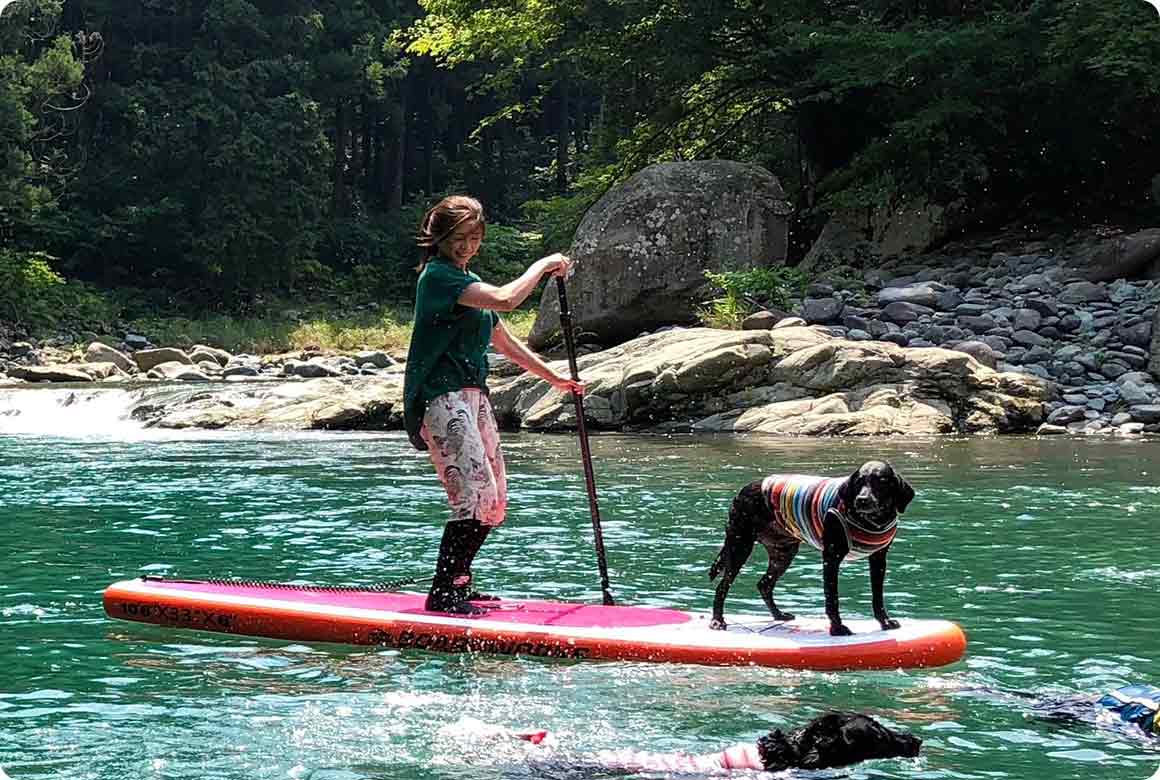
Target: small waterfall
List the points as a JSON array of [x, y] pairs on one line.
[[67, 411], [78, 411]]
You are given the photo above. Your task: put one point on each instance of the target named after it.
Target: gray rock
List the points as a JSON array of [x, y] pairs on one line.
[[1083, 292], [855, 321], [310, 369], [1047, 429], [241, 370], [376, 358], [1145, 413], [822, 310], [1113, 368], [1137, 377], [201, 352], [1029, 339], [1134, 394], [948, 300], [1154, 348], [762, 320], [789, 322], [979, 351], [899, 338], [642, 250], [1120, 418], [979, 324], [1026, 319], [176, 371], [1066, 414], [148, 359], [924, 294], [902, 313], [103, 353], [1045, 307]]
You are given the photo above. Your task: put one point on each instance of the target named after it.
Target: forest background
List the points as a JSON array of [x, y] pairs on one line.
[[252, 172]]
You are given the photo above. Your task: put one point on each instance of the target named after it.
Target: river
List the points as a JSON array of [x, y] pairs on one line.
[[1044, 550]]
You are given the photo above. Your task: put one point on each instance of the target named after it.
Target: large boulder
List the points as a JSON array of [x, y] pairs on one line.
[[900, 227], [786, 380], [1133, 256], [642, 251], [103, 353]]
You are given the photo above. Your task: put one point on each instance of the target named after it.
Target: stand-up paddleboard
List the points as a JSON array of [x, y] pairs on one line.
[[528, 628]]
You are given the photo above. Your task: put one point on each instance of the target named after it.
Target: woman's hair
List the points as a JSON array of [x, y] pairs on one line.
[[443, 218]]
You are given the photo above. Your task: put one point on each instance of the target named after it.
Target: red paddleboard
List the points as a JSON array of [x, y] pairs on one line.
[[548, 629]]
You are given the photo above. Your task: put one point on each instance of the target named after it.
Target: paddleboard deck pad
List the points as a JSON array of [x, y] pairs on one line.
[[527, 628]]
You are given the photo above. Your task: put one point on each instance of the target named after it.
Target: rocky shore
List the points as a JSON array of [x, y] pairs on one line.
[[1029, 312], [994, 337]]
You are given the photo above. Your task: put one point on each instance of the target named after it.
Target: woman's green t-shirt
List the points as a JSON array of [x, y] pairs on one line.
[[449, 341]]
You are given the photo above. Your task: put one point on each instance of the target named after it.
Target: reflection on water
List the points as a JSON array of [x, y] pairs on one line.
[[1042, 549]]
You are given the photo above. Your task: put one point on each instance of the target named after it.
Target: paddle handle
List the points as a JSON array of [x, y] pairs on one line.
[[585, 452]]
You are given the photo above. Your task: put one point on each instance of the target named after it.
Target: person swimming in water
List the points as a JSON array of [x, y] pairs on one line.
[[832, 740], [1134, 705]]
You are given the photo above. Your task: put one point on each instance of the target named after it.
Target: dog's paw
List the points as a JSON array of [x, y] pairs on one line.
[[779, 615], [839, 629], [889, 623], [718, 624]]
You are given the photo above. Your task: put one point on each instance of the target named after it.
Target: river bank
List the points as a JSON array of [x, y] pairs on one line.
[[1000, 335]]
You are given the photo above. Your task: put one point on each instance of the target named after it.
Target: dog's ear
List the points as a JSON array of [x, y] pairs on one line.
[[903, 493], [849, 490]]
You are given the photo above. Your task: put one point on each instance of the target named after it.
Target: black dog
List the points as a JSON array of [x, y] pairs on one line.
[[854, 517], [832, 740]]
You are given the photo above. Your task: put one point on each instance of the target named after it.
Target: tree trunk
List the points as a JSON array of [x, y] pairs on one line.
[[357, 142], [562, 135], [397, 160], [341, 125]]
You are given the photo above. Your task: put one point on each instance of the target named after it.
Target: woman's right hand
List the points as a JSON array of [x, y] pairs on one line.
[[555, 264]]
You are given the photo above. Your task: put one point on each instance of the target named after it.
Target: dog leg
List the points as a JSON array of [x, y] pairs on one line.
[[877, 582], [834, 550], [780, 557], [732, 557]]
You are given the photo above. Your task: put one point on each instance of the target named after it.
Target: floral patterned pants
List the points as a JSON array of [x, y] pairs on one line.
[[463, 441]]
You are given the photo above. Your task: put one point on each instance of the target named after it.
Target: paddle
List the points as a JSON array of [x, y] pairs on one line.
[[586, 454]]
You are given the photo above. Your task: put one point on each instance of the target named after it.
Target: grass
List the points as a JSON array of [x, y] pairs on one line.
[[385, 328]]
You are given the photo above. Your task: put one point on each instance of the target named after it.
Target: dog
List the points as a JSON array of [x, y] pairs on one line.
[[833, 740], [847, 519]]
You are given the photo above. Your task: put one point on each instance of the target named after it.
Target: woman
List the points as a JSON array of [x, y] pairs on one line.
[[446, 409]]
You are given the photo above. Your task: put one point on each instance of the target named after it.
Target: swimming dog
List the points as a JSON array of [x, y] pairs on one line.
[[846, 519]]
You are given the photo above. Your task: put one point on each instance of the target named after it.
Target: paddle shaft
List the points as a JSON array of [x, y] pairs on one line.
[[585, 452]]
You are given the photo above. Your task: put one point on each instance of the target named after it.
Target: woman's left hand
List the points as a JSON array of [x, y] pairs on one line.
[[566, 385]]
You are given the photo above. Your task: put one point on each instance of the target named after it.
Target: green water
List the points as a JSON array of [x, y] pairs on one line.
[[1043, 550]]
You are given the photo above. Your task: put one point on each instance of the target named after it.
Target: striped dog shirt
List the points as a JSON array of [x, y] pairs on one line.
[[799, 504]]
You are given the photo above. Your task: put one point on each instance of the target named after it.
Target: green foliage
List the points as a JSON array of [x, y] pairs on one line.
[[741, 293], [506, 253], [34, 295], [233, 152], [39, 78], [557, 218]]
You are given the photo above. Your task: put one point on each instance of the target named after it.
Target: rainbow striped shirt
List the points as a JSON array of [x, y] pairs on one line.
[[800, 502]]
